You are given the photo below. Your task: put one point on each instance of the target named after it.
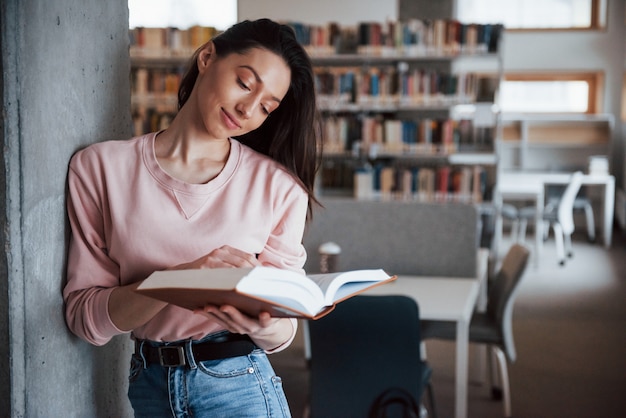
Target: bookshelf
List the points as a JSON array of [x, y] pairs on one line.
[[554, 142], [408, 107], [159, 58]]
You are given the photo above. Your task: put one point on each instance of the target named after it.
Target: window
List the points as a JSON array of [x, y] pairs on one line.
[[535, 14], [182, 14], [546, 93]]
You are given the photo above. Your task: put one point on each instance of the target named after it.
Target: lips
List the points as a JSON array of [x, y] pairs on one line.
[[230, 121]]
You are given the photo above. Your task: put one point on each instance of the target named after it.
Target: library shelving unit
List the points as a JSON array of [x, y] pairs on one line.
[[159, 57], [554, 142], [409, 108]]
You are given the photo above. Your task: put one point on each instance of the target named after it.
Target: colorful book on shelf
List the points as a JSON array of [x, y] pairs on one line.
[[282, 293], [410, 37], [164, 42], [442, 179]]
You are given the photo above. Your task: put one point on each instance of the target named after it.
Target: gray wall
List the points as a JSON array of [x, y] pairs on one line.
[[319, 12], [601, 50], [65, 70], [426, 9]]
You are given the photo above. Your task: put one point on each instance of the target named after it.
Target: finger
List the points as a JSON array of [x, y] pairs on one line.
[[234, 320], [238, 257], [265, 319], [222, 320], [234, 315], [208, 310]]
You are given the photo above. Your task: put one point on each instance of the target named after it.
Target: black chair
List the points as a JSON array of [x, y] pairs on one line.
[[367, 348], [494, 326]]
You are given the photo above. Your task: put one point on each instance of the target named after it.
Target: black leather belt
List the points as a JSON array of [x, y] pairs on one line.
[[175, 354]]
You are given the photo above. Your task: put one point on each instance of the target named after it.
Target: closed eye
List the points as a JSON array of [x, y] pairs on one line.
[[243, 85], [246, 87]]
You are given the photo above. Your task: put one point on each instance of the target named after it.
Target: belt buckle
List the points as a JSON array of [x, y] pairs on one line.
[[171, 356]]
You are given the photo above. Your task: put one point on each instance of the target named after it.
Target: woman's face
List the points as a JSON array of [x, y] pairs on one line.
[[236, 93]]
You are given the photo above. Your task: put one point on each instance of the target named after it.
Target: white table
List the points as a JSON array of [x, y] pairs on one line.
[[528, 185], [443, 299]]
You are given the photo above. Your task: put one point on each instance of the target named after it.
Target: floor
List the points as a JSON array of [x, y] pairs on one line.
[[570, 332]]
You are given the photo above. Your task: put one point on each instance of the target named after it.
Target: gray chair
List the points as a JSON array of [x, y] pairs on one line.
[[494, 326], [510, 212], [581, 204], [560, 217], [367, 347], [554, 194]]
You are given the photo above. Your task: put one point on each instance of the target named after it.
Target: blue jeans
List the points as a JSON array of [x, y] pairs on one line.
[[244, 386]]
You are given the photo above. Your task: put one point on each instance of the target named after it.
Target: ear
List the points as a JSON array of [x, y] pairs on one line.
[[205, 56]]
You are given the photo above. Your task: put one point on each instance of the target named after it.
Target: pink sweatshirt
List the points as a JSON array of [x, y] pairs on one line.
[[129, 218]]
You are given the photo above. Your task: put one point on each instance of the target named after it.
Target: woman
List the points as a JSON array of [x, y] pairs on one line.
[[193, 196]]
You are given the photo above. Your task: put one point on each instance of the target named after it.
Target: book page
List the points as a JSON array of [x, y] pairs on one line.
[[337, 286], [283, 286]]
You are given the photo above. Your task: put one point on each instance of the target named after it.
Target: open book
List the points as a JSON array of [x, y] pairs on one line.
[[282, 293]]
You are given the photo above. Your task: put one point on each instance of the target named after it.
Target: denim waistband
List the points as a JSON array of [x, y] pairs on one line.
[[180, 353]]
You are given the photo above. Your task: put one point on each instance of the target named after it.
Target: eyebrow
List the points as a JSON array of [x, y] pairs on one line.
[[259, 80]]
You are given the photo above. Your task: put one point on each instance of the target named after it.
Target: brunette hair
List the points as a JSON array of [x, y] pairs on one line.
[[291, 135]]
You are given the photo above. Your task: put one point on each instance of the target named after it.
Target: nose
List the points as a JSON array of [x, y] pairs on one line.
[[246, 106], [243, 110]]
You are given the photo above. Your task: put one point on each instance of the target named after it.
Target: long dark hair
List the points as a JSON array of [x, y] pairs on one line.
[[291, 135]]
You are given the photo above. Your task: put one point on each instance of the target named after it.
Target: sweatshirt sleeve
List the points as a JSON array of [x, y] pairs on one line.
[[284, 248], [91, 273]]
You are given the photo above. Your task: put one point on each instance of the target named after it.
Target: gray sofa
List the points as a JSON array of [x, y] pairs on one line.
[[404, 238]]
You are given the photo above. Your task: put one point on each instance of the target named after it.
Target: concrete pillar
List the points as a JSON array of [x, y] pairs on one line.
[[65, 84]]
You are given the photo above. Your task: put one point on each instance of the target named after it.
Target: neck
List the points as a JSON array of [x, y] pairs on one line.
[[189, 149], [191, 159]]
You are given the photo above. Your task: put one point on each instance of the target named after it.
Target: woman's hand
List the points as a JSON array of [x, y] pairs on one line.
[[129, 310], [266, 332], [224, 256]]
